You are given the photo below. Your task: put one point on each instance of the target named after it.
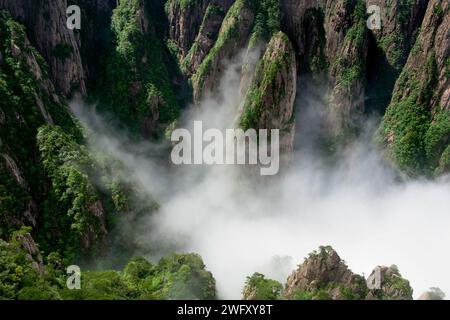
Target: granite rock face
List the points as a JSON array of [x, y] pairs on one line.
[[269, 102], [392, 285], [416, 126], [46, 26], [324, 275]]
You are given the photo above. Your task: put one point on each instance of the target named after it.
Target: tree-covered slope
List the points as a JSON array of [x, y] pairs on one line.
[[144, 61], [416, 126]]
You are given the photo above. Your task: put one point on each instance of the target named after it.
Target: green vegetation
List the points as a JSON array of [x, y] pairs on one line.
[[436, 137], [315, 19], [257, 287], [184, 4], [438, 11], [183, 276], [395, 44], [62, 51], [212, 10], [396, 285], [267, 21], [228, 32], [137, 87], [269, 67], [25, 105], [87, 196], [19, 279], [325, 291], [444, 162], [416, 137], [178, 276], [349, 69], [72, 194]]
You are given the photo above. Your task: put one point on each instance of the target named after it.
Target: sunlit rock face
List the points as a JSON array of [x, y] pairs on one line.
[[324, 275]]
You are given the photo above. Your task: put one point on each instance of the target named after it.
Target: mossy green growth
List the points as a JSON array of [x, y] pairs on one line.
[[269, 67], [414, 136], [398, 287], [211, 10], [19, 279], [72, 194], [226, 35], [177, 276], [257, 287], [349, 69], [267, 21], [324, 292], [184, 4], [318, 62], [444, 162], [136, 64], [62, 51], [395, 45], [437, 137], [25, 105]]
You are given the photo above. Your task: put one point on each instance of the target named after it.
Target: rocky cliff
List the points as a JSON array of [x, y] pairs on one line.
[[269, 101], [143, 61], [416, 126], [46, 27], [324, 275]]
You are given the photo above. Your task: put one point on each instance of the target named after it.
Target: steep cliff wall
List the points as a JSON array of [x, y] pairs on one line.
[[46, 26], [416, 126], [269, 102]]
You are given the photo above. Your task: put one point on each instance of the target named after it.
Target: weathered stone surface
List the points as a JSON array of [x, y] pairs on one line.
[[233, 36], [207, 35], [415, 128], [325, 275], [46, 25], [393, 285], [26, 242], [269, 102]]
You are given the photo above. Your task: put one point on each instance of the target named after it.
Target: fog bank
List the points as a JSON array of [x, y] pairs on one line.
[[241, 225]]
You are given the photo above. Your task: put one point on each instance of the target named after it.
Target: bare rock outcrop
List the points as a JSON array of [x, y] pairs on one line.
[[324, 275]]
